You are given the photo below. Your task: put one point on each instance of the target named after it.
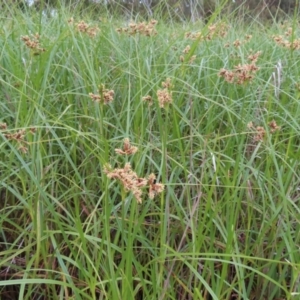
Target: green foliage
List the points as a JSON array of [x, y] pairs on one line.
[[172, 9], [226, 225]]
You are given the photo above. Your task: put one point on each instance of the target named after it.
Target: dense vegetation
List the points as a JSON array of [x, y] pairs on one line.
[[148, 159], [173, 9]]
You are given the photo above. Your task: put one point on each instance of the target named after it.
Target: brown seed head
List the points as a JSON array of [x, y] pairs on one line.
[[148, 99], [3, 126], [164, 97], [187, 49], [273, 126], [128, 149]]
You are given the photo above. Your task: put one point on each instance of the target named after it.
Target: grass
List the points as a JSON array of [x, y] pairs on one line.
[[226, 225]]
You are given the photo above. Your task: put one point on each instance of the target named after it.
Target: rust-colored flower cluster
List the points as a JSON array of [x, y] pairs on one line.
[[33, 43], [260, 132], [237, 43], [194, 35], [281, 41], [242, 73], [248, 37], [130, 180], [273, 126], [219, 29], [148, 99], [289, 32], [128, 149], [154, 187], [254, 57], [164, 96], [83, 27], [18, 136], [104, 95], [143, 28], [185, 52]]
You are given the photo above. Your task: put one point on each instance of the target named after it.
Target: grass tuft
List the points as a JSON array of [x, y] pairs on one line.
[[148, 160]]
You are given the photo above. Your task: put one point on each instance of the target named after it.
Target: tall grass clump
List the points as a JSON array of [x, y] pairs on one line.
[[148, 160]]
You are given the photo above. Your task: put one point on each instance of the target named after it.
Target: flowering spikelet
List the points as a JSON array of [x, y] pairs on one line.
[[193, 35], [219, 29], [128, 178], [154, 188], [248, 37], [3, 126], [132, 183], [92, 31], [254, 57], [148, 99], [95, 97], [167, 84], [187, 49], [164, 96], [128, 149], [33, 43], [260, 132], [142, 28], [18, 137], [273, 126], [242, 73], [83, 27], [237, 43], [228, 75], [104, 95], [293, 45]]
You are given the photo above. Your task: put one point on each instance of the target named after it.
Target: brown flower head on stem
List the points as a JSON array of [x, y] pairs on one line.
[[18, 137], [33, 43], [273, 126], [82, 26], [167, 84], [260, 134], [95, 97], [154, 187], [128, 149], [23, 149], [237, 43], [248, 37], [128, 178], [148, 99], [104, 95], [254, 57], [146, 29], [3, 126], [187, 49], [164, 97]]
